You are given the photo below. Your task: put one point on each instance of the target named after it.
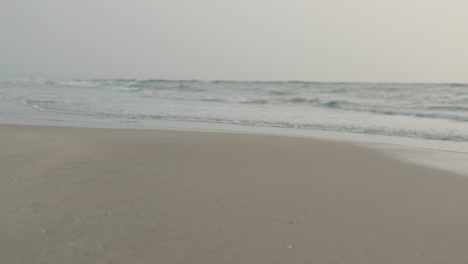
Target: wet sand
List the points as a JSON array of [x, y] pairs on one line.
[[82, 195]]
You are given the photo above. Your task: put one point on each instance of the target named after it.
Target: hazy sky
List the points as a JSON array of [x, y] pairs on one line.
[[315, 40]]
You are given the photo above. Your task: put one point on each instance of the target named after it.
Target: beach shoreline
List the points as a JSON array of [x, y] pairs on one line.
[[442, 155], [397, 118], [158, 196]]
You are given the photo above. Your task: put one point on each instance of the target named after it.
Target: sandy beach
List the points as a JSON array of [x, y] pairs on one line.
[[82, 195]]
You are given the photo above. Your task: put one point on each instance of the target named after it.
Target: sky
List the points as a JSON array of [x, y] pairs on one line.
[[309, 40]]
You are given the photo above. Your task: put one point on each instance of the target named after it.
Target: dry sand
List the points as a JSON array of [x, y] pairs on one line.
[[78, 195]]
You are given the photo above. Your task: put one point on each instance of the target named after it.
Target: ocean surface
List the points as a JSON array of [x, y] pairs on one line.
[[418, 122], [427, 111]]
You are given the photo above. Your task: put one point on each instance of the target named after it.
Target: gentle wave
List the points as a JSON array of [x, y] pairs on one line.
[[316, 102], [448, 108], [39, 105], [384, 109]]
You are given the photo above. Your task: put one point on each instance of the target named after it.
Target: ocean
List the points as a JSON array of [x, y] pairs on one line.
[[434, 114]]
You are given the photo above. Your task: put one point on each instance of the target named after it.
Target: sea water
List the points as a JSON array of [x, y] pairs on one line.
[[412, 115]]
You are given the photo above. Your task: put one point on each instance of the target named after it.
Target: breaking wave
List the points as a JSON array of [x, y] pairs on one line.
[[431, 111]]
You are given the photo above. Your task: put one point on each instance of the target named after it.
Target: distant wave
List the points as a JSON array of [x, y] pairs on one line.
[[457, 84], [116, 85], [279, 93], [143, 81], [449, 108]]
